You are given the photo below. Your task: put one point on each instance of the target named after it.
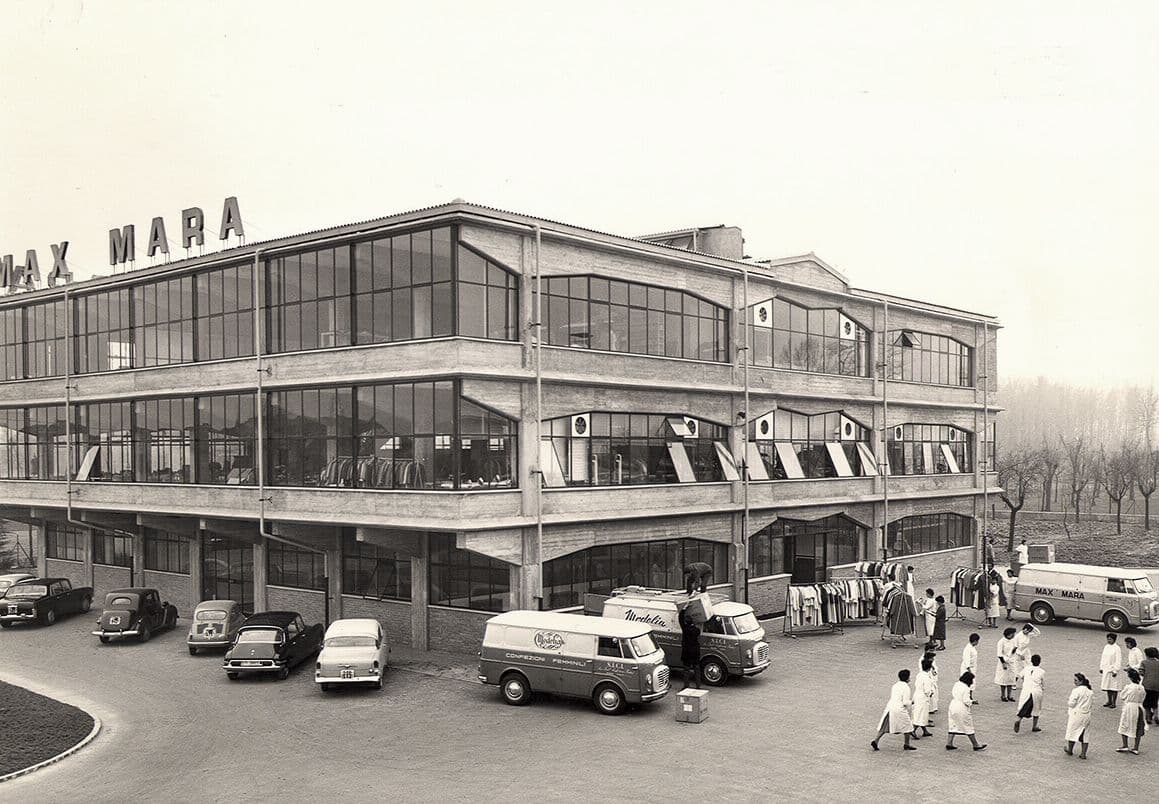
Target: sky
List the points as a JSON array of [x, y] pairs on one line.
[[993, 156]]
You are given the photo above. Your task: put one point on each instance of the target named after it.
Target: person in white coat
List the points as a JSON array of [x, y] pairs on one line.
[[1110, 668], [1078, 717], [961, 721], [896, 719], [925, 686], [1132, 723], [970, 658], [929, 609], [1004, 672], [1022, 648], [1033, 691], [936, 700], [1134, 654]]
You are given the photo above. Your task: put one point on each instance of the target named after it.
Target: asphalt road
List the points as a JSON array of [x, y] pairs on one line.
[[177, 730]]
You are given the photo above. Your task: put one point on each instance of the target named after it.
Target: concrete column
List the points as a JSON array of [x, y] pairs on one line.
[[39, 543], [420, 596], [195, 568], [527, 579], [261, 601], [334, 560], [519, 597], [87, 543], [138, 558], [738, 559]]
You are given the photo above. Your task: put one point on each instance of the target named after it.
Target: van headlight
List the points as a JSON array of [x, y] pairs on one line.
[[748, 654]]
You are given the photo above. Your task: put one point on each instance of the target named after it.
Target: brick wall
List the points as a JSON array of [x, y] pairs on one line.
[[106, 578], [73, 570], [175, 588], [307, 602], [767, 595], [393, 614], [456, 630]]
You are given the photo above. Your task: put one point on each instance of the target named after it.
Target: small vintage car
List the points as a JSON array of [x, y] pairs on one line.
[[11, 578], [215, 624], [135, 612], [272, 642], [43, 600], [355, 651]]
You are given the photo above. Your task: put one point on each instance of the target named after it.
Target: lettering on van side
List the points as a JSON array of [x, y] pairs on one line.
[[527, 657], [1043, 590], [650, 619], [616, 668]]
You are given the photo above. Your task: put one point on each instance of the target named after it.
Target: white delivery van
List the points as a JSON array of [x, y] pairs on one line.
[[1118, 598], [613, 663], [732, 642]]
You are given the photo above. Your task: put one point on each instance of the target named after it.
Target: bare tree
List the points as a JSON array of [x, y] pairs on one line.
[[1018, 470], [1050, 464], [1117, 474], [1147, 454], [1079, 464]]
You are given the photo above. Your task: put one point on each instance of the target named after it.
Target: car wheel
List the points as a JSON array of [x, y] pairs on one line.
[[714, 671], [86, 603], [324, 686], [1115, 621], [231, 676], [283, 672], [145, 633], [192, 651], [608, 699], [1041, 613], [378, 684], [104, 639], [49, 617], [515, 688]]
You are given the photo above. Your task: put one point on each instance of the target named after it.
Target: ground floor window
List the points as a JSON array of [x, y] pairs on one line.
[[806, 549], [287, 565], [227, 570], [65, 542], [166, 552], [112, 549], [598, 570], [927, 533], [467, 580], [372, 571]]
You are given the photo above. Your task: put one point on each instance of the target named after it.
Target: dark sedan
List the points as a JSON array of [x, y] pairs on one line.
[[136, 612], [272, 642], [43, 600]]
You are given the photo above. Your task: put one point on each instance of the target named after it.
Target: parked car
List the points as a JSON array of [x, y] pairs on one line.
[[135, 612], [215, 624], [354, 651], [43, 600], [272, 642], [11, 578]]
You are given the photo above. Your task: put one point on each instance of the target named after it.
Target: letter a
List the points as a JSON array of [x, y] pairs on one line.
[[30, 273], [230, 219], [157, 239]]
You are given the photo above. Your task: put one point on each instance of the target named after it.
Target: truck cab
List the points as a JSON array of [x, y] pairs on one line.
[[732, 641]]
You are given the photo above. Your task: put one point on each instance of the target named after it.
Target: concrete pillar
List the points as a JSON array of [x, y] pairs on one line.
[[38, 548], [519, 599], [334, 566], [420, 596], [138, 576], [87, 544], [195, 568], [261, 601], [527, 579]]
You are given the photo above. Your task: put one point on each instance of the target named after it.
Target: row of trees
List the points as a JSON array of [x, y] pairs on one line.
[[1080, 442]]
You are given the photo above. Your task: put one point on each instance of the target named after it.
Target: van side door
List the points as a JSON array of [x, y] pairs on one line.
[[1117, 596], [614, 659]]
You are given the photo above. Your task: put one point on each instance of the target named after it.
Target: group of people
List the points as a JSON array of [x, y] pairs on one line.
[[910, 712]]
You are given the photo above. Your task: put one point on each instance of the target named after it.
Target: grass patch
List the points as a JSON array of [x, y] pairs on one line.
[[34, 728]]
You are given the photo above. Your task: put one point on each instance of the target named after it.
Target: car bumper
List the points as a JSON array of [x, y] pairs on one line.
[[269, 668], [353, 680], [654, 696], [17, 618], [134, 632], [755, 669], [209, 643]]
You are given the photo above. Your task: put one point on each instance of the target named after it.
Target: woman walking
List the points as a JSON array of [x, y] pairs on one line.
[[1004, 672], [970, 658], [961, 721], [924, 688], [1033, 691], [1110, 665], [1078, 716], [1151, 683], [1131, 722], [896, 717], [1022, 649], [937, 697]]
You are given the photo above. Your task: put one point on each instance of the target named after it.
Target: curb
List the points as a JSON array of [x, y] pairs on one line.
[[63, 754]]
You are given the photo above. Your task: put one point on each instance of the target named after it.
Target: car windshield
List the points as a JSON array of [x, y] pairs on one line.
[[211, 616], [746, 623], [1143, 585], [267, 635], [26, 590], [350, 642], [643, 645]]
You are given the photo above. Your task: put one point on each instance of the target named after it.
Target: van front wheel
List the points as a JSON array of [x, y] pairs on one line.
[[714, 672], [608, 699], [516, 691], [1115, 621], [1041, 613]]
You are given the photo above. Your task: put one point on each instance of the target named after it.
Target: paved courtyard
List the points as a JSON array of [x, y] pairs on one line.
[[177, 730]]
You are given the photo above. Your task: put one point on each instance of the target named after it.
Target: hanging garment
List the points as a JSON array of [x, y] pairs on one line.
[[902, 614]]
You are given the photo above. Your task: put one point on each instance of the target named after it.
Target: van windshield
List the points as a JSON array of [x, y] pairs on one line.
[[1143, 586], [643, 645], [746, 623]]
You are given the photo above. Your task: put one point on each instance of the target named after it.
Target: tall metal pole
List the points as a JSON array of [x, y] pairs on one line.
[[538, 324], [745, 433], [987, 556], [884, 461]]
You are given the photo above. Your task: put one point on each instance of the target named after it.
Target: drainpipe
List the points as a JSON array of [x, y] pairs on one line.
[[744, 461], [884, 462], [538, 324], [985, 378]]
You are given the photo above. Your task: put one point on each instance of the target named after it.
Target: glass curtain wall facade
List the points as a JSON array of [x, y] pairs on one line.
[[929, 449], [590, 312], [599, 570], [929, 358], [805, 550], [32, 443], [788, 335], [808, 437], [927, 533]]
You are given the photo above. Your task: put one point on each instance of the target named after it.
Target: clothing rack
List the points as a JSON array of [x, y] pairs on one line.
[[828, 606], [900, 615], [964, 588]]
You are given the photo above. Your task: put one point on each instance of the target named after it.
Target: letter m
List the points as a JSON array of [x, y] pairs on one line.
[[122, 245]]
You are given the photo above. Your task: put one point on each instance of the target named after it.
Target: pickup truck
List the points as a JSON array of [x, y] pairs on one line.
[[43, 600]]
